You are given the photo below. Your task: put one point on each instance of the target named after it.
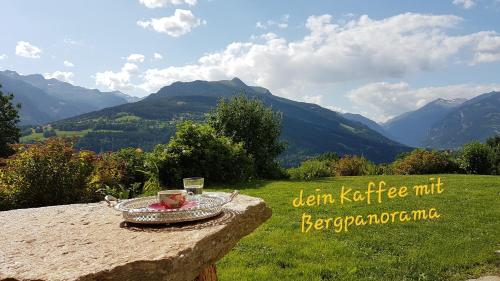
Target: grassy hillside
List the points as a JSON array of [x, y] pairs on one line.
[[458, 245], [34, 136]]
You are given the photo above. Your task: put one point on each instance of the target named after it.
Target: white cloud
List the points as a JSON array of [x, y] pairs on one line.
[[282, 24], [68, 64], [26, 50], [382, 101], [3, 56], [135, 58], [60, 75], [157, 56], [261, 25], [335, 108], [162, 3], [466, 4], [117, 80], [182, 22], [486, 47], [361, 49], [313, 99]]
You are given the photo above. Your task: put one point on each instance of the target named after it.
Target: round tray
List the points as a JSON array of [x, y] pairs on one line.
[[208, 205]]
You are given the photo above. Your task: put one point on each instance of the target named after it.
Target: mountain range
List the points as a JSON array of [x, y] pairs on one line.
[[412, 128], [307, 128], [47, 100], [111, 120], [447, 124], [475, 119]]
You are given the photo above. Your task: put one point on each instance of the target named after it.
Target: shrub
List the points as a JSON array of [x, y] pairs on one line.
[[132, 161], [49, 133], [474, 158], [328, 156], [48, 173], [353, 166], [421, 161], [5, 200], [256, 126], [311, 169], [196, 150], [383, 169], [119, 173]]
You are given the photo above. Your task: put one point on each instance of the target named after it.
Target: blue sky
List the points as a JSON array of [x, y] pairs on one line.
[[377, 58]]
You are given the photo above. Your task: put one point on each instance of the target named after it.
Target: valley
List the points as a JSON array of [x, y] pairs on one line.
[[308, 129]]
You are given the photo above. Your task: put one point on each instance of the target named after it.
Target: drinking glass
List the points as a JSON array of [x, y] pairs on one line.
[[194, 185]]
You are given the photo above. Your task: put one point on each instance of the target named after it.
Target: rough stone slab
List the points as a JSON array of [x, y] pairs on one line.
[[86, 242]]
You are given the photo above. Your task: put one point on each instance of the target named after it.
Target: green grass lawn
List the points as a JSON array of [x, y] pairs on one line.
[[39, 136], [69, 134], [458, 245]]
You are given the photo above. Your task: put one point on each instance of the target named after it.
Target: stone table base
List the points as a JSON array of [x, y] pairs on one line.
[[208, 274]]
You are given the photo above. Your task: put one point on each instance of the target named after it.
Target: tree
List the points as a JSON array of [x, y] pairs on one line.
[[494, 144], [474, 158], [9, 117], [258, 127]]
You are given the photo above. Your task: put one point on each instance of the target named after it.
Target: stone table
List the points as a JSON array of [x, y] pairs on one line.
[[91, 242]]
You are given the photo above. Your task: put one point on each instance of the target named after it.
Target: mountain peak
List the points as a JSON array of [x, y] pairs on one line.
[[10, 73], [235, 82], [219, 88], [475, 119], [447, 102], [238, 81]]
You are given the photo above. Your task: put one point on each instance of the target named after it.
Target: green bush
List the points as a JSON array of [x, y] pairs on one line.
[[107, 175], [5, 200], [419, 162], [48, 173], [383, 169], [132, 165], [474, 158], [311, 169], [328, 156], [353, 166], [119, 173], [49, 133], [196, 150]]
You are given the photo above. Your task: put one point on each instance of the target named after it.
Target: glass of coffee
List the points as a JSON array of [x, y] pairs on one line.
[[194, 185]]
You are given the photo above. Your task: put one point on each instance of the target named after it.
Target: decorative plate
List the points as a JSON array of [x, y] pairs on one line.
[[145, 210]]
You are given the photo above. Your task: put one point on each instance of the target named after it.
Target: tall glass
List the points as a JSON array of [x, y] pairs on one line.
[[194, 185]]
